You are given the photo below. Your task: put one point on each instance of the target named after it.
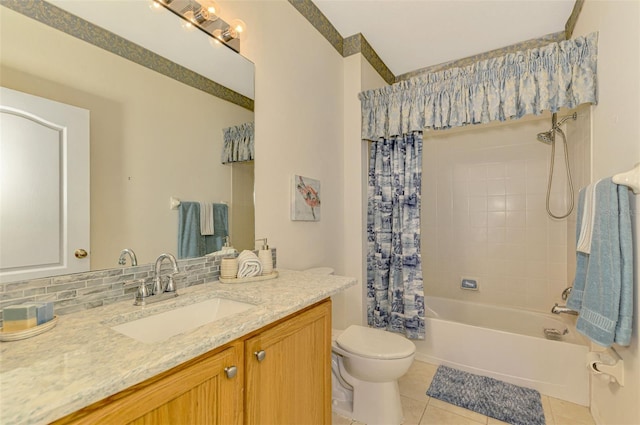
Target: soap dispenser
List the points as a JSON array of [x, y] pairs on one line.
[[264, 255]]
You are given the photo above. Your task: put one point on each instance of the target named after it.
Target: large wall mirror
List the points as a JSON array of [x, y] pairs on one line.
[[151, 137]]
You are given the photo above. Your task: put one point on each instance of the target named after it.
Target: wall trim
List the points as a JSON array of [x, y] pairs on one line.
[[573, 19], [458, 63], [358, 44], [68, 23], [344, 46]]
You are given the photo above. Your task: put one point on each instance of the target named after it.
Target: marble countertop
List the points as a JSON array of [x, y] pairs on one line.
[[82, 360]]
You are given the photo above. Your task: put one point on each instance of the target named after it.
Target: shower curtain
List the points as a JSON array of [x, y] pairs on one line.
[[395, 296]]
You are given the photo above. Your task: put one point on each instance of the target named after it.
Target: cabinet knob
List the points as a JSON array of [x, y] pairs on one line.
[[260, 355], [231, 371]]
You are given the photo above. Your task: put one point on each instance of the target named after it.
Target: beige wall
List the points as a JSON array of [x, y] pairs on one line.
[[299, 130], [308, 123], [151, 137], [616, 148], [349, 307]]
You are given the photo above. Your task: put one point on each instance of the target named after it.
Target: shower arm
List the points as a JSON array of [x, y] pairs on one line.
[[556, 125]]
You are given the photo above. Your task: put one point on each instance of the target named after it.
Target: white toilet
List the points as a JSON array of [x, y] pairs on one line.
[[366, 364], [370, 362]]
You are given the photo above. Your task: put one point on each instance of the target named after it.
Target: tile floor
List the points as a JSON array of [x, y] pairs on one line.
[[419, 409]]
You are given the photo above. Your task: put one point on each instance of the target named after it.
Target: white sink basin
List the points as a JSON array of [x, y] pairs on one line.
[[164, 325]]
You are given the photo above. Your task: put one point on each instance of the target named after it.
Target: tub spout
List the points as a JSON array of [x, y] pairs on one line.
[[557, 309]]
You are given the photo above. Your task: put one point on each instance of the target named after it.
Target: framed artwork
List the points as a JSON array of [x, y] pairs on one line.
[[305, 199]]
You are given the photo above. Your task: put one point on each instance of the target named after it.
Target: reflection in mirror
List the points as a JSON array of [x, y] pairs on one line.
[[152, 137]]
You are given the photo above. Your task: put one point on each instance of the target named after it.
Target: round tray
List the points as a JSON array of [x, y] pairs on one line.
[[28, 333], [272, 275]]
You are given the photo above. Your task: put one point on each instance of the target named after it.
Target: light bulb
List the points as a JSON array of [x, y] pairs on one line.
[[239, 28], [199, 16], [212, 7], [155, 5], [188, 23]]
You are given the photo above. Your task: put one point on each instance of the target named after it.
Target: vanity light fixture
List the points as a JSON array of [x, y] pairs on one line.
[[235, 30], [205, 15]]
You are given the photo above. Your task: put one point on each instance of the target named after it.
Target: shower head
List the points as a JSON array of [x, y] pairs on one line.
[[547, 137]]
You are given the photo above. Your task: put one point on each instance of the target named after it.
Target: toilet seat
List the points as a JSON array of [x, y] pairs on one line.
[[374, 343]]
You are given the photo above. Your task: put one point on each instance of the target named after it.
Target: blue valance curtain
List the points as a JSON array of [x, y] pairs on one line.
[[395, 296], [238, 143], [557, 75]]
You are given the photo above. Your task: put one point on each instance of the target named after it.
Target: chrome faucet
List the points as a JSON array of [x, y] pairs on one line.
[[158, 291], [557, 309], [132, 255], [158, 288]]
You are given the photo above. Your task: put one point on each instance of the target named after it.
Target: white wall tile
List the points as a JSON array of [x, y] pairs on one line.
[[489, 193]]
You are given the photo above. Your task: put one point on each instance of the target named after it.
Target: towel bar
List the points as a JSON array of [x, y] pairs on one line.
[[630, 178], [174, 203]]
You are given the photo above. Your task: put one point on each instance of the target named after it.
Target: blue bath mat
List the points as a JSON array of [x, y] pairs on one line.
[[491, 397]]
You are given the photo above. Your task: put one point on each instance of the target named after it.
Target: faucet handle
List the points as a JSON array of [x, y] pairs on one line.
[[143, 290], [171, 285]]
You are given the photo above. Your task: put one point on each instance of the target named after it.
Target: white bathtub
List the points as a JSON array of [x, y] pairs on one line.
[[506, 344]]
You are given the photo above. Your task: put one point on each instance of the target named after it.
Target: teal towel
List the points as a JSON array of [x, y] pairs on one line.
[[220, 222], [191, 243], [603, 285]]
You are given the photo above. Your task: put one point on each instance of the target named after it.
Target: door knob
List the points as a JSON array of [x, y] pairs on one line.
[[231, 371], [81, 253], [260, 355]]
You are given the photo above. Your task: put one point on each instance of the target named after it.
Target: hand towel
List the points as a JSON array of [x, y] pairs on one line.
[[249, 264], [206, 219], [221, 220], [191, 242], [603, 286], [189, 230], [588, 216]]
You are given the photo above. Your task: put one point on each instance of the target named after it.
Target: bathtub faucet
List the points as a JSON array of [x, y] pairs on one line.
[[557, 309]]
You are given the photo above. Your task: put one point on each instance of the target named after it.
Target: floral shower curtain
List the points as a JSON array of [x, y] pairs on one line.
[[395, 296]]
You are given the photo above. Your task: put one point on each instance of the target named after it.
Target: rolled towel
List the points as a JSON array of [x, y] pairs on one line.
[[249, 264]]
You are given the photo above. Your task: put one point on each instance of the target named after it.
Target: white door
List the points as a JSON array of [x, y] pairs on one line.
[[44, 187]]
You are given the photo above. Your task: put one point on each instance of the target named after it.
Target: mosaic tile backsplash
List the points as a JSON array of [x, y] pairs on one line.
[[81, 291]]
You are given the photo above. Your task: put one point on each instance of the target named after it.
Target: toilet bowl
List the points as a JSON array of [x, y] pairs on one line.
[[366, 366]]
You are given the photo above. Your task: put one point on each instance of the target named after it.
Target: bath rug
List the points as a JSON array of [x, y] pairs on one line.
[[490, 397]]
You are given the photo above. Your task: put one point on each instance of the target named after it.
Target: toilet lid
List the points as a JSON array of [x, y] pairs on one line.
[[375, 343]]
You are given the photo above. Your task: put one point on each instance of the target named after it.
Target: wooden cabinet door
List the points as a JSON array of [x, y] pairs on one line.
[[292, 382], [198, 392]]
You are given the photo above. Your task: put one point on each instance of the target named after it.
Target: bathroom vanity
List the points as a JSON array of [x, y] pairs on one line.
[[267, 364]]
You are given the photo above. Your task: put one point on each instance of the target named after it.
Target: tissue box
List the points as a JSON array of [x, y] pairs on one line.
[[19, 317]]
